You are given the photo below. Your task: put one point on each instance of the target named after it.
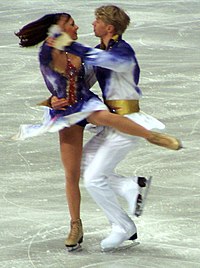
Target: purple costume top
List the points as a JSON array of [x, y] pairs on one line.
[[74, 87], [59, 84]]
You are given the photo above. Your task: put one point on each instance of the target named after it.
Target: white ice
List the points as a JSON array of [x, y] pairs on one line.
[[34, 218]]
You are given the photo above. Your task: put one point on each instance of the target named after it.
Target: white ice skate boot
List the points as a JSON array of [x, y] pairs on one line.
[[117, 237], [135, 191]]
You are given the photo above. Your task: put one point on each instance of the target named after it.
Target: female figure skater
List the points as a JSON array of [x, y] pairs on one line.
[[65, 77]]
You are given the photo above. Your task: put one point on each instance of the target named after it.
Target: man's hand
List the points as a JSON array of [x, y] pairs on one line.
[[61, 41], [58, 104], [50, 41]]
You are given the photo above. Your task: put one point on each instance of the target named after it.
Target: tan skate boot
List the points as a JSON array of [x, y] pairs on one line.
[[165, 140], [75, 237]]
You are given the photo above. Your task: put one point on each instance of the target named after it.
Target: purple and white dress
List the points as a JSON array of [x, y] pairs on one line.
[[74, 87]]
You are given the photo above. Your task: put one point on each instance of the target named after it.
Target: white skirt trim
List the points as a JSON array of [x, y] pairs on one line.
[[147, 121], [57, 123]]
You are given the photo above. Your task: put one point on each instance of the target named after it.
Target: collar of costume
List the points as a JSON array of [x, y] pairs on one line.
[[111, 43]]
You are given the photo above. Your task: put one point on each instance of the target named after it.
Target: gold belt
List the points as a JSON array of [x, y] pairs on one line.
[[123, 107]]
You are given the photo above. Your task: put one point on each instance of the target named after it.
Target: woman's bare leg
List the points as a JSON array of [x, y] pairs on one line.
[[128, 126], [71, 142], [118, 122]]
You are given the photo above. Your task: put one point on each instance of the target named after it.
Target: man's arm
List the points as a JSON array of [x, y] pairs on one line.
[[120, 59]]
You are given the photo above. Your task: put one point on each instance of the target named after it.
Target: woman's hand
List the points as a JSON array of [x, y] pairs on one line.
[[58, 104]]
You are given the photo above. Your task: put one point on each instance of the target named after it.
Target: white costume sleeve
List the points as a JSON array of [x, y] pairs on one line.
[[90, 77], [118, 60]]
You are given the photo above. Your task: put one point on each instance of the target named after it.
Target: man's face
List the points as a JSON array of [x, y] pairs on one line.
[[100, 28]]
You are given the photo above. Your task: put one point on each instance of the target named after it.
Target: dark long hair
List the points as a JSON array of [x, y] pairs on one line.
[[36, 31]]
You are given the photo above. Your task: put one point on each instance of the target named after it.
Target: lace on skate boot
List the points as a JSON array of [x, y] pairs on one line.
[[165, 140], [75, 237]]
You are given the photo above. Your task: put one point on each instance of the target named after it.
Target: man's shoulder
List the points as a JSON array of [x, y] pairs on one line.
[[124, 44], [98, 46]]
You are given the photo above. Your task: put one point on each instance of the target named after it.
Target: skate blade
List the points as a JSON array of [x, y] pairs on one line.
[[76, 248], [140, 208], [124, 246]]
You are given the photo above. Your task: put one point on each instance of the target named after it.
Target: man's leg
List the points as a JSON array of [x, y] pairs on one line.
[[105, 156], [133, 189], [130, 188]]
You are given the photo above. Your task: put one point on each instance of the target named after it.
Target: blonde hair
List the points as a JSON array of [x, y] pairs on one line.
[[115, 16]]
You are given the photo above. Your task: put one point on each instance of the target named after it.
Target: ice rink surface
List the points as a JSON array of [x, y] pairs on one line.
[[34, 217]]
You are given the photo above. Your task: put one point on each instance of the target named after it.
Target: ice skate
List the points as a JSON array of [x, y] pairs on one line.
[[116, 239], [141, 199], [165, 140], [75, 237]]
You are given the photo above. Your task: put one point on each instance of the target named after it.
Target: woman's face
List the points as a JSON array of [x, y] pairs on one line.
[[69, 27]]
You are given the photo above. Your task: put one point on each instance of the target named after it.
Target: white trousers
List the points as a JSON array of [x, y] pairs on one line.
[[101, 155]]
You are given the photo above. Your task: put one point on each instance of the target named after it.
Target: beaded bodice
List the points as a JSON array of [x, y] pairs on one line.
[[64, 78], [71, 74]]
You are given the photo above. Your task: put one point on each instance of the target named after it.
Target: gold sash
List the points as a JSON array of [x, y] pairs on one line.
[[123, 107]]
